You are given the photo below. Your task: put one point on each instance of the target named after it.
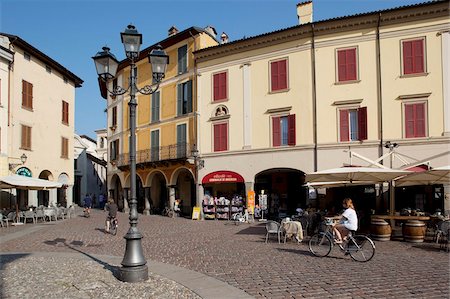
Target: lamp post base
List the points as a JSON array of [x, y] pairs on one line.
[[133, 274]]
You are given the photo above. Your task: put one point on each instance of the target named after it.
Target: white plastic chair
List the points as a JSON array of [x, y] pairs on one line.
[[3, 220], [273, 227]]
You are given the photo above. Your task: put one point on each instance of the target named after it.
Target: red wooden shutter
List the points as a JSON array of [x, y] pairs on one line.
[[24, 93], [342, 74], [291, 129], [114, 116], [216, 138], [362, 123], [409, 121], [224, 137], [344, 125], [223, 86], [418, 56], [419, 120], [216, 87], [282, 74], [276, 131], [407, 58], [274, 75], [351, 64]]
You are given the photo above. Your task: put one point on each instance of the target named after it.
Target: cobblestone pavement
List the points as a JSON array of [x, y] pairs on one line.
[[238, 256]]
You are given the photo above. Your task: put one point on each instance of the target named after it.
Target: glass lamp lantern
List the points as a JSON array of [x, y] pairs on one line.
[[132, 41], [106, 64], [159, 61]]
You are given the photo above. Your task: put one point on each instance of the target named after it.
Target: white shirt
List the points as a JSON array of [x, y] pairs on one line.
[[352, 219]]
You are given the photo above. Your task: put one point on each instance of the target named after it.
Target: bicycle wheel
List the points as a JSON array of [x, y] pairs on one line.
[[170, 214], [362, 249], [320, 244], [113, 229]]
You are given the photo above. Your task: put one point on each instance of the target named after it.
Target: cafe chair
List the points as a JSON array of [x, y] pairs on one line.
[[442, 232], [3, 220], [29, 215], [273, 227]]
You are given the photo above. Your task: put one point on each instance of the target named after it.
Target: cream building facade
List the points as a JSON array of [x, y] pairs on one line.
[[38, 87], [276, 106]]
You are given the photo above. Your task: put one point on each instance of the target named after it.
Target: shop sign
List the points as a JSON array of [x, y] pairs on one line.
[[196, 213], [223, 177], [251, 201]]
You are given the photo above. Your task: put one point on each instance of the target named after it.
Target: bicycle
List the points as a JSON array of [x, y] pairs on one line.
[[168, 212], [114, 223], [360, 247], [237, 218]]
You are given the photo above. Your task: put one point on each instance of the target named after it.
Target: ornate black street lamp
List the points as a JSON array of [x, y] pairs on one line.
[[134, 268]]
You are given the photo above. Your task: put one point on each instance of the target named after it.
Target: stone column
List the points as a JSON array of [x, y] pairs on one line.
[[32, 198], [126, 192], [446, 198], [171, 196], [52, 197], [69, 196], [146, 201]]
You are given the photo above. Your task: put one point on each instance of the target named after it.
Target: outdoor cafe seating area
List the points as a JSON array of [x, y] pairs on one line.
[[34, 215]]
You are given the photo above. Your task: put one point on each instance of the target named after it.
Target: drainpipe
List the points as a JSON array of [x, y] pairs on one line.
[[314, 94], [379, 90]]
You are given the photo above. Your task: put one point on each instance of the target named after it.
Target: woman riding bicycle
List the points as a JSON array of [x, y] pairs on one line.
[[348, 221], [112, 208]]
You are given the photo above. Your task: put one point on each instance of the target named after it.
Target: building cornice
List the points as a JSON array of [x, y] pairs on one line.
[[422, 11]]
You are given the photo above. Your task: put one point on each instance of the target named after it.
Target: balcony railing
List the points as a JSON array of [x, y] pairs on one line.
[[179, 151]]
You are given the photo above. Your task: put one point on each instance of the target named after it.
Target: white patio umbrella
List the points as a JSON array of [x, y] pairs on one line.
[[26, 183], [438, 175], [355, 174]]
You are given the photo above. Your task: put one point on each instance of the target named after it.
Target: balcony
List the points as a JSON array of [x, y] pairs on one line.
[[158, 156]]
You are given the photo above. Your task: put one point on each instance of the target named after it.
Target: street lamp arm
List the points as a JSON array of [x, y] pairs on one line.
[[148, 89], [117, 91]]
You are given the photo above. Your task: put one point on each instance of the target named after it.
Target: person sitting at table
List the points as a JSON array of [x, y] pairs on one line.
[[348, 221]]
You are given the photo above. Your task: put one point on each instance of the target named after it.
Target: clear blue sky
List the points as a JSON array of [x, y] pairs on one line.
[[71, 31]]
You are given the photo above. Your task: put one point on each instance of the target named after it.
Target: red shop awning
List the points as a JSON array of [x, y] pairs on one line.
[[223, 176]]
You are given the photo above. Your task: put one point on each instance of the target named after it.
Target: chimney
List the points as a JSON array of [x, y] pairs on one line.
[[224, 38], [173, 30], [305, 12], [211, 30]]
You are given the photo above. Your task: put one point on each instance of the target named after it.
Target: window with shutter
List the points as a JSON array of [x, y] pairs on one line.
[[220, 137], [353, 124], [415, 120], [347, 65], [27, 95], [344, 129], [413, 56], [278, 75], [64, 148], [154, 145], [114, 117], [26, 138], [155, 106], [283, 130], [184, 98], [181, 141], [65, 112], [182, 59], [220, 86]]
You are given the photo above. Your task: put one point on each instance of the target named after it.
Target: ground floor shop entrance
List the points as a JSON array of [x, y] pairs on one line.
[[284, 189]]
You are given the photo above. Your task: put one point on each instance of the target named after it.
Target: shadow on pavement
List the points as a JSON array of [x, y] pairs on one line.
[[6, 259], [71, 245], [253, 230]]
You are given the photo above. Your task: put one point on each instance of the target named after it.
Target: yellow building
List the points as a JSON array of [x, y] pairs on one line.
[[165, 127], [278, 105]]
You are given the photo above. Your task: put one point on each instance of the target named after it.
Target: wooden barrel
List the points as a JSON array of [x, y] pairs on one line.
[[380, 230], [414, 231]]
